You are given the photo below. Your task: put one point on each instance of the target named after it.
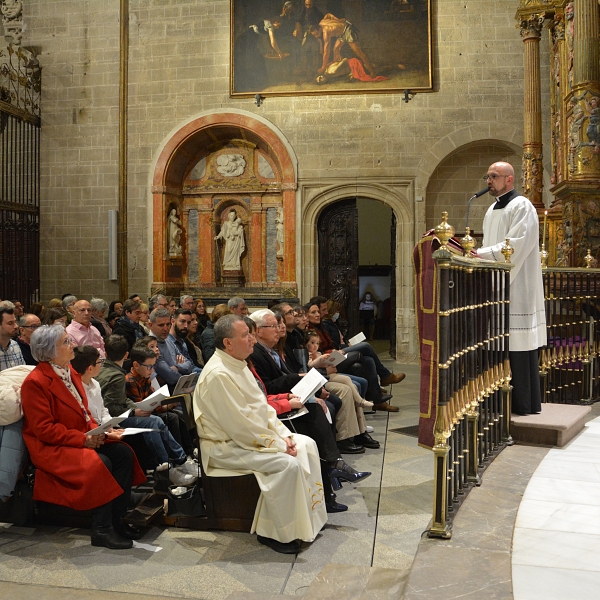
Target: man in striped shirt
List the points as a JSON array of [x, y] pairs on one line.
[[10, 352]]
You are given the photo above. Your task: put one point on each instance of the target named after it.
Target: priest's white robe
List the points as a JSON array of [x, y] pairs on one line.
[[241, 434], [518, 222]]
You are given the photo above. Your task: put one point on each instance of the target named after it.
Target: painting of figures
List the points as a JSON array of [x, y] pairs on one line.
[[297, 47]]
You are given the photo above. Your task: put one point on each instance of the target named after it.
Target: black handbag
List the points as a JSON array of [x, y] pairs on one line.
[[188, 504]]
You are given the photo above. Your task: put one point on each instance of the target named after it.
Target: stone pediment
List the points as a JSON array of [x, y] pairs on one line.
[[214, 186]]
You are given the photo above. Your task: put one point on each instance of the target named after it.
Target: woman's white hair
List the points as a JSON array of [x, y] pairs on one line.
[[44, 342], [260, 316]]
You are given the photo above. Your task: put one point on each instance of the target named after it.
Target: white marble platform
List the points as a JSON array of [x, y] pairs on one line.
[[556, 543]]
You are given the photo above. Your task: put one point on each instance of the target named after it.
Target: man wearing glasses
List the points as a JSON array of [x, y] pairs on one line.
[[514, 217], [27, 325]]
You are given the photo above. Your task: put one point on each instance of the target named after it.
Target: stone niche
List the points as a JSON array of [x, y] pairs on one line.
[[231, 181]]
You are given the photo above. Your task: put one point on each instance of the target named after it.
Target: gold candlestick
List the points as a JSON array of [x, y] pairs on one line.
[[544, 236]]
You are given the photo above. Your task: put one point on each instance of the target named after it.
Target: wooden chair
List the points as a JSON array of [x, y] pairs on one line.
[[230, 501]]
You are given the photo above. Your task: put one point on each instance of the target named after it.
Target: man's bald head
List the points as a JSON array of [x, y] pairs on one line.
[[500, 179]]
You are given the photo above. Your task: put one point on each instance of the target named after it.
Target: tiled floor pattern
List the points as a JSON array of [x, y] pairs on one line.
[[367, 551], [556, 545]]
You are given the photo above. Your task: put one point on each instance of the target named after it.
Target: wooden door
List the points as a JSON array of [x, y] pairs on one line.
[[338, 259]]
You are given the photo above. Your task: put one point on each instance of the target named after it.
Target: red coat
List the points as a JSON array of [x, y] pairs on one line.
[[54, 432]]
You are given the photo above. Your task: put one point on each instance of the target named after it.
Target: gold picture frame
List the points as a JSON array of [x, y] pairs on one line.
[[302, 47]]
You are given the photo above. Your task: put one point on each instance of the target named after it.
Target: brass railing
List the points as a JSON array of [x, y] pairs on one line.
[[470, 362], [569, 363]]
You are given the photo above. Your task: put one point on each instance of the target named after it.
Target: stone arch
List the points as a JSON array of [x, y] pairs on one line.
[[181, 149], [398, 194]]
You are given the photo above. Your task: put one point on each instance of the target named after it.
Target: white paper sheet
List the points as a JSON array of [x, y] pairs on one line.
[[359, 337], [136, 430], [334, 359], [106, 426], [153, 401], [308, 385]]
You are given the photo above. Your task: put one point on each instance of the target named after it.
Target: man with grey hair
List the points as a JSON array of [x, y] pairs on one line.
[[240, 433], [158, 301], [81, 331], [160, 328], [27, 325], [237, 306], [186, 301]]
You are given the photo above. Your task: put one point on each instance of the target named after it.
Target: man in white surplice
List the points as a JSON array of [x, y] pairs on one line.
[[514, 217], [240, 433]]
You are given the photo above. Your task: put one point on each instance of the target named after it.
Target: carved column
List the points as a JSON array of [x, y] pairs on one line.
[[531, 30]]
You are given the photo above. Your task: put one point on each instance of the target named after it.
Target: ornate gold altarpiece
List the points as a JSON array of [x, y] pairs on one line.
[[573, 29]]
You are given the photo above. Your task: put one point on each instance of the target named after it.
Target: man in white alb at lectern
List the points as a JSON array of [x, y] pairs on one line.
[[514, 217]]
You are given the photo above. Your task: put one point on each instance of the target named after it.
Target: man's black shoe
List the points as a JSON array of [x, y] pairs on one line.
[[347, 446], [345, 472], [107, 537], [281, 547], [365, 439], [333, 506], [125, 530]]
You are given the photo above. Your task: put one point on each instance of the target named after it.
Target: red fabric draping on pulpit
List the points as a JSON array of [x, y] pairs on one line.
[[427, 303]]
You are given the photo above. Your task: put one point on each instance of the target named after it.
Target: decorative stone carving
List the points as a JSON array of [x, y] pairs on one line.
[[12, 13], [231, 165], [532, 174], [280, 232], [264, 168], [174, 233], [232, 234]]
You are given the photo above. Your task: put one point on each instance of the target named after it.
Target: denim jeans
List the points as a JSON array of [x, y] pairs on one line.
[[361, 384], [160, 442]]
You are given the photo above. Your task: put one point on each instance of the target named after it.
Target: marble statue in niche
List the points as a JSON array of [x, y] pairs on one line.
[[279, 232], [174, 232], [231, 165], [232, 234]]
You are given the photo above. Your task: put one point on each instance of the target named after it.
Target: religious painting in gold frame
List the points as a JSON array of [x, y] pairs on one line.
[[297, 47]]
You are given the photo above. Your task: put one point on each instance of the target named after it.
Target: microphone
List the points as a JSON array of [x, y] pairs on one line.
[[477, 195]]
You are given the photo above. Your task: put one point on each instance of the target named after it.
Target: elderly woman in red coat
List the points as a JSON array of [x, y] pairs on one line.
[[75, 468]]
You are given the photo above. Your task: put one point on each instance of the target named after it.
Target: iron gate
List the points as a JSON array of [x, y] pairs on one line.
[[20, 80]]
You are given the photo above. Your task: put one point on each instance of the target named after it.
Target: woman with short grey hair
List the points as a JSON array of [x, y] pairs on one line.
[[75, 467], [99, 307]]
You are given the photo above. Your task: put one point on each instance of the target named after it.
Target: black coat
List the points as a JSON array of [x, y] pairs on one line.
[[126, 329], [277, 380]]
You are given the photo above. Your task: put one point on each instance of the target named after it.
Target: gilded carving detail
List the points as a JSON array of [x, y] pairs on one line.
[[583, 123], [531, 26], [532, 176]]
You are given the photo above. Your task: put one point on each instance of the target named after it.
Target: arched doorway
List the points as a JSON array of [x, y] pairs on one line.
[[356, 258], [216, 166], [397, 194]]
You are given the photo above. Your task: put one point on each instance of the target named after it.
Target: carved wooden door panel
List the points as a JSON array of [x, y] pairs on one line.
[[338, 259]]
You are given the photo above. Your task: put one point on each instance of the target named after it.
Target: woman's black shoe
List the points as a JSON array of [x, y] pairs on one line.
[[336, 484], [281, 547], [364, 439], [125, 530], [107, 537], [345, 472]]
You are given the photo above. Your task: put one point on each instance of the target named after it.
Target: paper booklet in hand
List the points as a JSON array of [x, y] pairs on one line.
[[186, 384], [106, 426], [308, 385], [333, 359], [357, 339], [153, 401]]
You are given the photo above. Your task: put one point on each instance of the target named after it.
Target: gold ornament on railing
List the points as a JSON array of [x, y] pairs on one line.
[[444, 231], [468, 243], [588, 259], [507, 251]]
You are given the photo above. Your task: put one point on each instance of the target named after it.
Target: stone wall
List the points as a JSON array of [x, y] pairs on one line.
[[179, 67]]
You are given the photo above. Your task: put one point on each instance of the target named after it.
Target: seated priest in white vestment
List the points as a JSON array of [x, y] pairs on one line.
[[240, 434], [514, 217]]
